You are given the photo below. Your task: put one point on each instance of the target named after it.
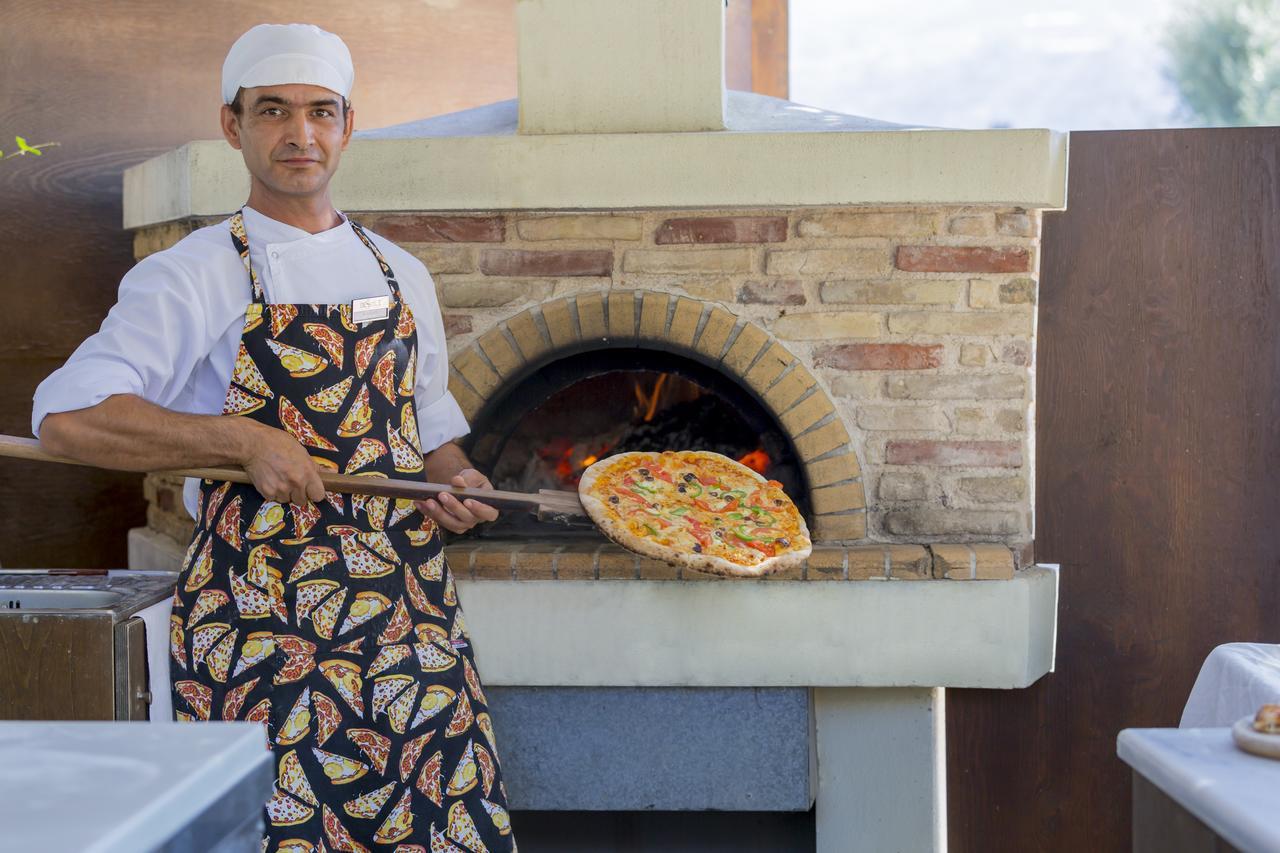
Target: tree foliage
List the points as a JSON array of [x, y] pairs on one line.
[[1225, 60]]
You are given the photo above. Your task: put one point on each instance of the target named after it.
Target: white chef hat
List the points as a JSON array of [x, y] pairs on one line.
[[272, 54]]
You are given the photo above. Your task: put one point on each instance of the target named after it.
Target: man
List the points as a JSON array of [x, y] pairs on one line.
[[287, 339]]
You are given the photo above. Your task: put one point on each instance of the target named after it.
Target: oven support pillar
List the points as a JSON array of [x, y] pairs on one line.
[[882, 769]]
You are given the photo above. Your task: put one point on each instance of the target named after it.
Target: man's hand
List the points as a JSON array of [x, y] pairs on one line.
[[455, 515], [281, 468]]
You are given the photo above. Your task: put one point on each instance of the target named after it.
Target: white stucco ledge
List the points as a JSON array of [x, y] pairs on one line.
[[772, 153], [994, 634]]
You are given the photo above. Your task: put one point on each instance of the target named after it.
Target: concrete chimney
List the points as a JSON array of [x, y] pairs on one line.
[[620, 66]]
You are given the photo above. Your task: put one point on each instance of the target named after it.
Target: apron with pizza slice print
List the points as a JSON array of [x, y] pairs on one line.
[[337, 623]]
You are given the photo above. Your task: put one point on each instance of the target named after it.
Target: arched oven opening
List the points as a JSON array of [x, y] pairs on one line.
[[543, 430]]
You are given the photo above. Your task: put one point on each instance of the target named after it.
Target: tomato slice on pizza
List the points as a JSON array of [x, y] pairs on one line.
[[300, 428]]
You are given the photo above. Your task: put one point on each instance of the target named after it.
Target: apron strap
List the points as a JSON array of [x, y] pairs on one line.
[[382, 262], [241, 241]]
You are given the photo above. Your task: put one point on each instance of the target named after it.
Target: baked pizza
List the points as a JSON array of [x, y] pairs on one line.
[[696, 509]]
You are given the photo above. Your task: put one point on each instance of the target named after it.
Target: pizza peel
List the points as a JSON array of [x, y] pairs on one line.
[[547, 504]]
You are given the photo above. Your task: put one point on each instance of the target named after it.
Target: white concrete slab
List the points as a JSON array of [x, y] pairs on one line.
[[603, 171], [764, 633], [882, 772]]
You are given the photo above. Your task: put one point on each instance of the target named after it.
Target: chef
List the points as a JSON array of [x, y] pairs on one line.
[[288, 339]]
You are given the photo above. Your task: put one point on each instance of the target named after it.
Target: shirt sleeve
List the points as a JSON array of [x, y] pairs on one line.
[[148, 344], [440, 418]]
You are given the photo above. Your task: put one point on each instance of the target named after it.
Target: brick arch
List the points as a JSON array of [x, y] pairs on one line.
[[702, 331]]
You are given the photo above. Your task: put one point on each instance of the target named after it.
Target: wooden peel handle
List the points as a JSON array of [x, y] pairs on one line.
[[561, 502]]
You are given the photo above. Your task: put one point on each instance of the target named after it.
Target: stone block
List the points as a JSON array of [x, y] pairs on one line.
[[653, 315], [715, 332], [684, 322], [722, 229], [403, 228], [821, 325], [835, 499], [688, 260], [891, 292], [971, 224], [560, 326], [479, 293], [993, 489], [1020, 291], [443, 259], [879, 356], [826, 563], [535, 561], [902, 418], [476, 371], [998, 386], [580, 227], [744, 349], [542, 262], [527, 335], [974, 355], [622, 315], [972, 562], [845, 527], [902, 487], [833, 469], [964, 454], [931, 520], [993, 259], [1015, 224], [776, 292], [591, 316], [858, 224], [960, 323], [849, 262], [499, 351], [576, 562]]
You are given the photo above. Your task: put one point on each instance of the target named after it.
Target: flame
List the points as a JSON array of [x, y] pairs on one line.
[[590, 460], [757, 460], [648, 400]]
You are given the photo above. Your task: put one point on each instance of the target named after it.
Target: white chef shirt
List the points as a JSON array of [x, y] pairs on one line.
[[174, 332]]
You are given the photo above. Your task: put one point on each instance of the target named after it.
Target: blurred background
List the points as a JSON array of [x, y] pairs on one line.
[[1067, 64]]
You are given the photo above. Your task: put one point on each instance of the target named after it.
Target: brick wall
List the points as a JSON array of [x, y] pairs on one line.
[[918, 324]]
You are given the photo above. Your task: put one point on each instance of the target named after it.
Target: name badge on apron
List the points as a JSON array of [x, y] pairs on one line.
[[369, 309]]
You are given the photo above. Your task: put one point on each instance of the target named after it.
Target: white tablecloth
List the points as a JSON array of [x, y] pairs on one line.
[[1236, 679]]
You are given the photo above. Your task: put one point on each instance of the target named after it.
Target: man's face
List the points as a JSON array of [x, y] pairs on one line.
[[292, 135]]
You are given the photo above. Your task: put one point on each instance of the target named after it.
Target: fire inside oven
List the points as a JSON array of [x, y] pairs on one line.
[[545, 430]]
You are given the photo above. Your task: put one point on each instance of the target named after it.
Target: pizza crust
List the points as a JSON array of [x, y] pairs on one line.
[[615, 528]]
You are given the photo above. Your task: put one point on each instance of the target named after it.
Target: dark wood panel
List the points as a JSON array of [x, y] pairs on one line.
[[1158, 402], [70, 73], [56, 668]]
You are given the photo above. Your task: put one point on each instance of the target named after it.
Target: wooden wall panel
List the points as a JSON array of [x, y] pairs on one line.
[[1157, 446], [114, 84]]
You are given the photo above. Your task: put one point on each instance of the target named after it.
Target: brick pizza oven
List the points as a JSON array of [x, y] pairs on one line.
[[628, 256]]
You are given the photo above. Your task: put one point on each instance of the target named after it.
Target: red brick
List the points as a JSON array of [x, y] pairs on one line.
[[420, 228], [975, 454], [722, 229], [879, 356], [595, 262], [456, 324], [962, 259], [788, 292]]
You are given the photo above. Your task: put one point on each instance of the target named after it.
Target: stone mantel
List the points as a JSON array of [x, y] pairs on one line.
[[775, 153]]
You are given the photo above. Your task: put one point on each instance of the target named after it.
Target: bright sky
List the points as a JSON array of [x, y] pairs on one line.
[[1064, 64]]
